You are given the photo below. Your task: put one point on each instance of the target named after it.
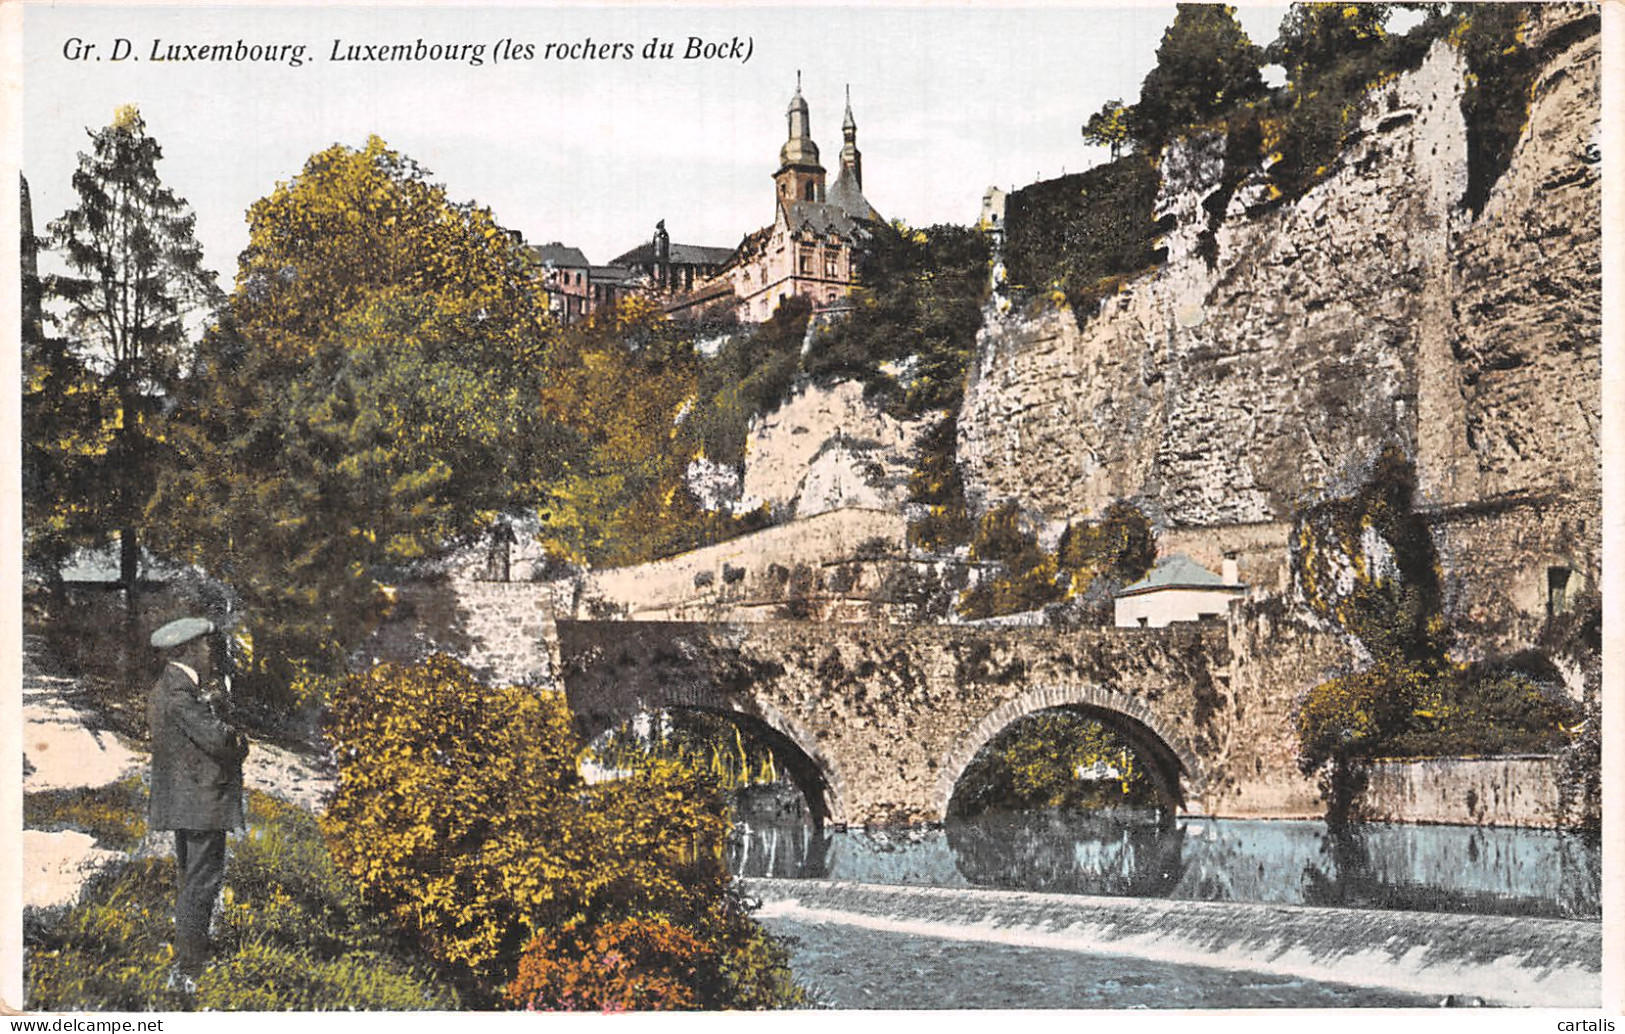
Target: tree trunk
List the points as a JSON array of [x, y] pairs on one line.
[[130, 578]]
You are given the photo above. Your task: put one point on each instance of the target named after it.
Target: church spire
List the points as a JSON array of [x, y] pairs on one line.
[[799, 149], [851, 157], [800, 176]]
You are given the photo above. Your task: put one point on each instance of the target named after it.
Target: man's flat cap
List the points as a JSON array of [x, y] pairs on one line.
[[181, 631]]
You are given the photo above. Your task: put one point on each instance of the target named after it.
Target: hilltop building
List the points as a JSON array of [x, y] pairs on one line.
[[672, 268], [566, 277], [819, 232], [813, 247]]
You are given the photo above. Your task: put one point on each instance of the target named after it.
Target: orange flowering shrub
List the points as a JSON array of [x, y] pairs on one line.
[[629, 964]]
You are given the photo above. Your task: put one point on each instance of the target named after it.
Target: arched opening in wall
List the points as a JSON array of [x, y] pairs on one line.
[[1072, 759], [769, 779], [1071, 799]]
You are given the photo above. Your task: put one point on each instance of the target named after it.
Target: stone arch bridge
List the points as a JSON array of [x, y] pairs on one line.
[[877, 723]]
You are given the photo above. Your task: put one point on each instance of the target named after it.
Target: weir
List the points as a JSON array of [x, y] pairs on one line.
[[1511, 961]]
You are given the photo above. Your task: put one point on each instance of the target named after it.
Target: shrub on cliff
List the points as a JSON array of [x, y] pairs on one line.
[[936, 485], [461, 814], [1120, 546], [1365, 562], [1025, 576]]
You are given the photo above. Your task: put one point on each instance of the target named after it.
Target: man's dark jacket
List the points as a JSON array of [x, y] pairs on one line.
[[197, 760]]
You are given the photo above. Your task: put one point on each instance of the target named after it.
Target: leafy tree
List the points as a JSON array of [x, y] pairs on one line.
[[1025, 576], [1314, 36], [1205, 66], [913, 326], [371, 396], [1036, 762], [1109, 127], [136, 277], [357, 221], [623, 387]]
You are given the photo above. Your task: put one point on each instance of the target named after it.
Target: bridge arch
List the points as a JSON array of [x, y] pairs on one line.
[[1173, 765], [797, 752]]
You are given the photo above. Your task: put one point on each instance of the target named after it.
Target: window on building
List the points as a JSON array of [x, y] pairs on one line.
[[1557, 590], [830, 266], [807, 194], [806, 262]]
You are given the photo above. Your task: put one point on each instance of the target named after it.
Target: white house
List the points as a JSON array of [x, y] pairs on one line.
[[1177, 589]]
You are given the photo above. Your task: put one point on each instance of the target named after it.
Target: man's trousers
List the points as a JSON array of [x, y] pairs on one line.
[[200, 855]]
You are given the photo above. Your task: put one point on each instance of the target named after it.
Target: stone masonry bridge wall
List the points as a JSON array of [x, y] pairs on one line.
[[891, 715]]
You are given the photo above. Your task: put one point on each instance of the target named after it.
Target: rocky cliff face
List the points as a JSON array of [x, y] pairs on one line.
[[826, 449], [1523, 329], [1374, 309]]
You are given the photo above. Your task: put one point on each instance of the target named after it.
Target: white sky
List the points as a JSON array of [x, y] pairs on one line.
[[947, 101]]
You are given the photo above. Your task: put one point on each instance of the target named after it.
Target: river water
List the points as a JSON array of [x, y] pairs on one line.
[[1451, 869]]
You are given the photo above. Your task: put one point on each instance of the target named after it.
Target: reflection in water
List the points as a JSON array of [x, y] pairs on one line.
[[1068, 854], [1427, 868]]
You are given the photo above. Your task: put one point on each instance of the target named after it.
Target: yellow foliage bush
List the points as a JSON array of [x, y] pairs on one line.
[[461, 813]]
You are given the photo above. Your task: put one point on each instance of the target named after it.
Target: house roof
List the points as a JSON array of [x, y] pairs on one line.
[[844, 194], [560, 255], [1177, 572], [681, 255], [611, 275], [821, 217]]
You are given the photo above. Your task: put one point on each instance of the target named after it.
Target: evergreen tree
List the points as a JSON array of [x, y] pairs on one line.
[[65, 432], [136, 277], [1206, 65]]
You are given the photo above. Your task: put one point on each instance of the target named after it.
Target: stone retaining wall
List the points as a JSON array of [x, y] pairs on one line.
[[1516, 790]]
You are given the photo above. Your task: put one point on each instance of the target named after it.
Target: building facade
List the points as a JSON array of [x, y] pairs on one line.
[[819, 231], [566, 277], [812, 249]]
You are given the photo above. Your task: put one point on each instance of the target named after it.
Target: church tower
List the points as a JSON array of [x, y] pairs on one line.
[[851, 157], [800, 177]]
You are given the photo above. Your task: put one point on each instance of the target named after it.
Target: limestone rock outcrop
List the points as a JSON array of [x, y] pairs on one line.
[[1373, 309], [827, 448], [1232, 389]]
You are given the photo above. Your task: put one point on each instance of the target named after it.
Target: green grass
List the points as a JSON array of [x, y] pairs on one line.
[[116, 814], [292, 933]]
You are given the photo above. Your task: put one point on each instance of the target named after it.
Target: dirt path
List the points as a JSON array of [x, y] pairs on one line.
[[66, 747]]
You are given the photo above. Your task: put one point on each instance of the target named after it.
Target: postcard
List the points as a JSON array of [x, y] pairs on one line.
[[651, 508]]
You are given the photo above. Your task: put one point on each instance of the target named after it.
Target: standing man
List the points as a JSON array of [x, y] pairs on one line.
[[197, 784]]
